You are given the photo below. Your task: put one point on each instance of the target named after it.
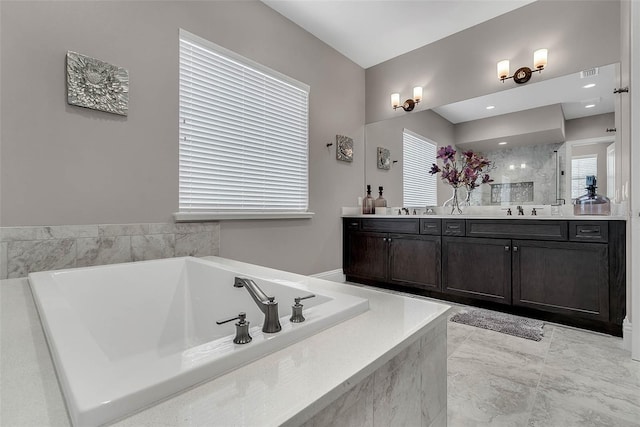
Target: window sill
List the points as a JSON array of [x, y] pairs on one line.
[[233, 216]]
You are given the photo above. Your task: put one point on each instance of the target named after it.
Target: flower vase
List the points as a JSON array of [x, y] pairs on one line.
[[453, 203], [467, 199]]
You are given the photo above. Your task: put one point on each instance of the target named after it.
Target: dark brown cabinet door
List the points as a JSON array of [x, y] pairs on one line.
[[567, 278], [415, 261], [367, 255], [477, 268]]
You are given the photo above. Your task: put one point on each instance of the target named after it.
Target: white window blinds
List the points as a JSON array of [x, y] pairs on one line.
[[581, 167], [243, 134], [419, 187]]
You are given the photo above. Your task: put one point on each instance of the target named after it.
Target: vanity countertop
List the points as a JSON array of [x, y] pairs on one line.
[[283, 388], [503, 216]]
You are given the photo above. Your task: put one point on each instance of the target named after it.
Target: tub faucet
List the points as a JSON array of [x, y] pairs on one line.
[[265, 303]]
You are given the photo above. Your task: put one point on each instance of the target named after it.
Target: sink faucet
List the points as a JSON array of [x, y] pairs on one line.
[[265, 303], [520, 210]]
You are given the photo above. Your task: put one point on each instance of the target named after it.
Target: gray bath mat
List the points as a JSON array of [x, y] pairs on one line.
[[501, 322]]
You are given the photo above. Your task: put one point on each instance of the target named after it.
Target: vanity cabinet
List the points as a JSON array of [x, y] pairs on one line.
[[562, 277], [566, 271], [477, 268], [408, 258]]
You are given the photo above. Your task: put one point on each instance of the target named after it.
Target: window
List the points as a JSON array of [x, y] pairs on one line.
[[243, 135], [581, 167], [418, 186]]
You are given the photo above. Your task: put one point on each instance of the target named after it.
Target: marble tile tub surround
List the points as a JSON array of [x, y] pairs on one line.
[[40, 248]]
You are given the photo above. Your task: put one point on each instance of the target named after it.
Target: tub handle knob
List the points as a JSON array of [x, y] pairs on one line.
[[296, 309], [242, 328]]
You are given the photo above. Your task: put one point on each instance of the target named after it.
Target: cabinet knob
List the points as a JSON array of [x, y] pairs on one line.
[[515, 249], [384, 239], [507, 248]]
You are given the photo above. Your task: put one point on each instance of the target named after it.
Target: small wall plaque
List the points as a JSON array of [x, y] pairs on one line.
[[96, 84], [384, 158], [344, 148]]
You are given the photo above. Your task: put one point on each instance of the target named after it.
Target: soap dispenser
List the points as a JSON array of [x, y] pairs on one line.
[[592, 203], [367, 202], [380, 201]]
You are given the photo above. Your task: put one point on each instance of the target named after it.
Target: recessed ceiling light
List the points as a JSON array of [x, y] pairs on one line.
[[502, 143], [512, 167], [491, 107], [589, 105], [589, 85]]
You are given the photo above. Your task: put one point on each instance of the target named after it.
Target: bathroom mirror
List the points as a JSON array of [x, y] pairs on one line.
[[530, 133]]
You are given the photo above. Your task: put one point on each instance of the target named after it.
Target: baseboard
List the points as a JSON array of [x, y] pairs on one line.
[[626, 334], [333, 275]]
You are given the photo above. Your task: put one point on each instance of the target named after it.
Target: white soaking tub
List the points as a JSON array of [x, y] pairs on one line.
[[126, 336]]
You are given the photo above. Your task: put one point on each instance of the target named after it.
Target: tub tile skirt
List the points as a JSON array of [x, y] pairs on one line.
[[24, 250], [408, 390]]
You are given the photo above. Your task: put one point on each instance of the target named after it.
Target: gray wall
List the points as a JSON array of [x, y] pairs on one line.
[[590, 127], [388, 134], [64, 165], [579, 35]]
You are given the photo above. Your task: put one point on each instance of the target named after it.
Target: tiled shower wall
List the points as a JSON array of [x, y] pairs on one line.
[[27, 249], [540, 168]]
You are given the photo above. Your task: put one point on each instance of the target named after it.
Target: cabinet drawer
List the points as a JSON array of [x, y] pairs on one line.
[[351, 224], [453, 227], [589, 231], [396, 225], [430, 226], [518, 229]]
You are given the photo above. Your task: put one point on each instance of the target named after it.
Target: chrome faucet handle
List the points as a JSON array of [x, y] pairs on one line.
[[242, 328], [520, 210], [296, 309], [298, 299], [508, 211]]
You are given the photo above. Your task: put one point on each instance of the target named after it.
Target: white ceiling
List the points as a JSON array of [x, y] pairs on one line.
[[373, 31]]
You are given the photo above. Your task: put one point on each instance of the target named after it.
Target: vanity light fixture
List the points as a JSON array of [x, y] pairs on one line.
[[523, 74], [502, 143], [590, 85], [490, 107], [410, 103], [589, 105]]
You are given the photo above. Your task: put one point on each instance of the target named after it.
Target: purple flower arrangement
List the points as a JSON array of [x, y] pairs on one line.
[[469, 171]]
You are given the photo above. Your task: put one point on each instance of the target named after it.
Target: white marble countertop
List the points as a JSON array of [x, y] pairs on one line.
[[283, 388], [503, 216]]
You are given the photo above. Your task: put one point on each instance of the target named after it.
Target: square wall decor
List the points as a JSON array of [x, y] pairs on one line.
[[344, 148], [96, 84], [384, 158]]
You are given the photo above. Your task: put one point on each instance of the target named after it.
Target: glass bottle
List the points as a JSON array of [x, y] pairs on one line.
[[592, 203], [367, 203], [380, 201]]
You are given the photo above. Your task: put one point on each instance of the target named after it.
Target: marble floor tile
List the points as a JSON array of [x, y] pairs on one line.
[[457, 334], [593, 355], [478, 398], [583, 379], [493, 356], [572, 399]]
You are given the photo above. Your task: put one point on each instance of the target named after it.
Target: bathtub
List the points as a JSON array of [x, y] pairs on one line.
[[126, 336]]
